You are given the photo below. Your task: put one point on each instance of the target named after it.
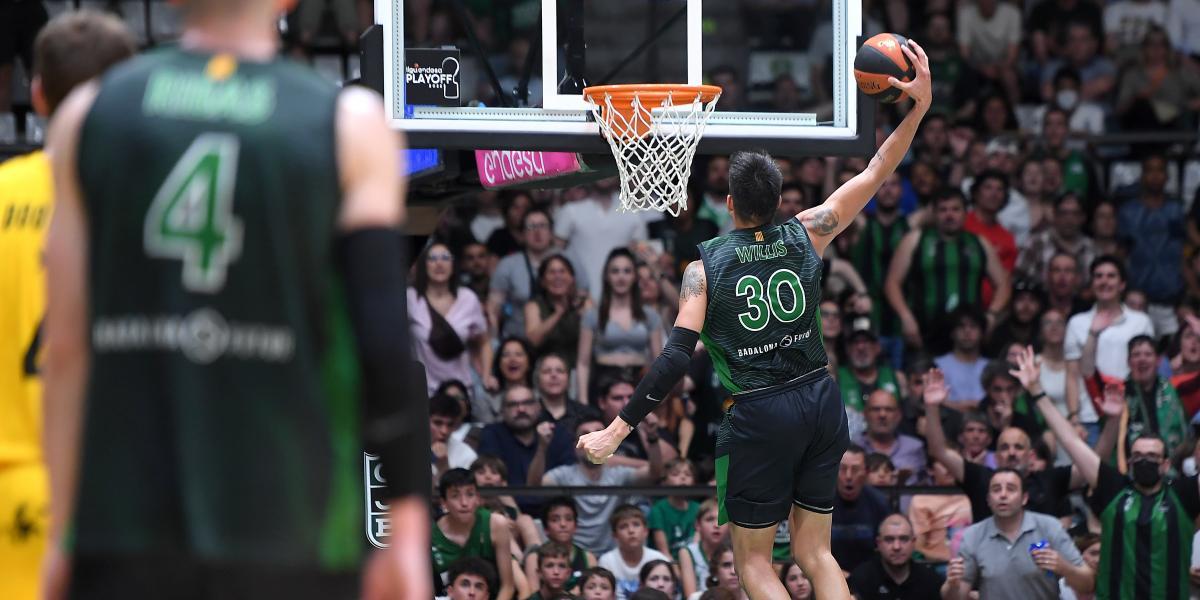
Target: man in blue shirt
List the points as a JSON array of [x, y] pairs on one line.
[[1152, 224], [515, 440]]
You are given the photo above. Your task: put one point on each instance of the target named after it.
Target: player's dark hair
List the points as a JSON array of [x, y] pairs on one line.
[[75, 47], [1108, 259], [526, 347], [1011, 470], [755, 184], [421, 272], [560, 502], [624, 512], [473, 565], [490, 461], [443, 405], [454, 478], [635, 291]]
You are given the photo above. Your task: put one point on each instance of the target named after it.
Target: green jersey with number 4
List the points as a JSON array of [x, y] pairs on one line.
[[222, 410], [762, 327]]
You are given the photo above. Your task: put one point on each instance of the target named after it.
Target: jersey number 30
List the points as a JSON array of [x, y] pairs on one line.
[[191, 218], [764, 302]]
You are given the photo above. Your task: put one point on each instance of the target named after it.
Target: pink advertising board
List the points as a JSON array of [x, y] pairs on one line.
[[504, 168]]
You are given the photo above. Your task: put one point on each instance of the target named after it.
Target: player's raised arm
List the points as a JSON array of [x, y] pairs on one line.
[[825, 221], [664, 373]]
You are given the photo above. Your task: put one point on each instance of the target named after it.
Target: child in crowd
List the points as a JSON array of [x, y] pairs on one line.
[[724, 574], [672, 519], [489, 471], [626, 560], [798, 586], [554, 570], [597, 583], [880, 470], [657, 575], [693, 558], [470, 578], [468, 529], [559, 521]]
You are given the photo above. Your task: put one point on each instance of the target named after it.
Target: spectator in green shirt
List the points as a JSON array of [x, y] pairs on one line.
[[672, 519]]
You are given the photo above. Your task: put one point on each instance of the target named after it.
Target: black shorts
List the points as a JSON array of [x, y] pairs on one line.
[[780, 446], [179, 578]]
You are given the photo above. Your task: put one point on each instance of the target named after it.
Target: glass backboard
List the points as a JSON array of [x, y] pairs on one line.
[[507, 74]]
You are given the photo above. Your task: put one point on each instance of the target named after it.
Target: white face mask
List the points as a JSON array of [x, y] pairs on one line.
[[1067, 99]]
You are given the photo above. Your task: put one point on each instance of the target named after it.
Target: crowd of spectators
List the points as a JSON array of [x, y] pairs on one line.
[[1016, 336], [1015, 333]]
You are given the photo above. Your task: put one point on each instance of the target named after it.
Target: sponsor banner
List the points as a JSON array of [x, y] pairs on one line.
[[504, 168]]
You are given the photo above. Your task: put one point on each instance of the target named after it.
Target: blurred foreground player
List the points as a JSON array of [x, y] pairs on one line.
[[226, 329], [753, 299], [70, 50]]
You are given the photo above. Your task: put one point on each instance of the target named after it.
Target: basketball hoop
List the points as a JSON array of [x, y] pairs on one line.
[[653, 130]]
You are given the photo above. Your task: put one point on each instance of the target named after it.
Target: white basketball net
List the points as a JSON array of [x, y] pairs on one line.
[[654, 167]]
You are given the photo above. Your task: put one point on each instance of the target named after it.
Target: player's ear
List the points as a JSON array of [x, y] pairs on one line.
[[729, 203], [285, 6], [37, 96]]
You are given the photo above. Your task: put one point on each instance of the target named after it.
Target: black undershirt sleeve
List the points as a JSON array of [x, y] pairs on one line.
[[667, 370], [395, 403]]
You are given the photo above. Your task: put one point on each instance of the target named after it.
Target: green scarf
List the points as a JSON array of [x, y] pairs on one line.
[[1172, 424]]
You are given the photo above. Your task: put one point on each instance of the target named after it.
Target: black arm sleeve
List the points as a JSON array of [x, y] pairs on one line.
[[395, 425], [666, 371]]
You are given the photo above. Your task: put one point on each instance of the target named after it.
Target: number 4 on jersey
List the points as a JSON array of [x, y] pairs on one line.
[[191, 218]]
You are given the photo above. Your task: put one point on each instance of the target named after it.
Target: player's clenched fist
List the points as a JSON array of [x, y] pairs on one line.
[[599, 445]]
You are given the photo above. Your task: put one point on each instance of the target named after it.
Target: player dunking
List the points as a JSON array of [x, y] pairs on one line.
[[752, 299], [226, 328]]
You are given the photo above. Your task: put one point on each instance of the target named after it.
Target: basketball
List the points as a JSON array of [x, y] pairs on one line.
[[881, 57]]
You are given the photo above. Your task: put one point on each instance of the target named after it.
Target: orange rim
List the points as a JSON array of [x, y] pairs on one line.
[[651, 95]]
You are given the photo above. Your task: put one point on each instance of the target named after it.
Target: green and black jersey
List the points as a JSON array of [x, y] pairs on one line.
[[945, 274], [222, 411], [1146, 544], [762, 327], [855, 392], [871, 255]]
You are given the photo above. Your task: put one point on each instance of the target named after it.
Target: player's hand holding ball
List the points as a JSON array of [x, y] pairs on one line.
[[889, 67]]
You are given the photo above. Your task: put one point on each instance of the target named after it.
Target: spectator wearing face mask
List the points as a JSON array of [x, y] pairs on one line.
[[1120, 500]]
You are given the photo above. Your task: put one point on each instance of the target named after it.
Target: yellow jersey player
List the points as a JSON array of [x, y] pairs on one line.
[[70, 50], [226, 329]]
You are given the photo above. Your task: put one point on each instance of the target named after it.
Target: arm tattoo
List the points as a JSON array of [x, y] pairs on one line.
[[694, 283], [823, 221]]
